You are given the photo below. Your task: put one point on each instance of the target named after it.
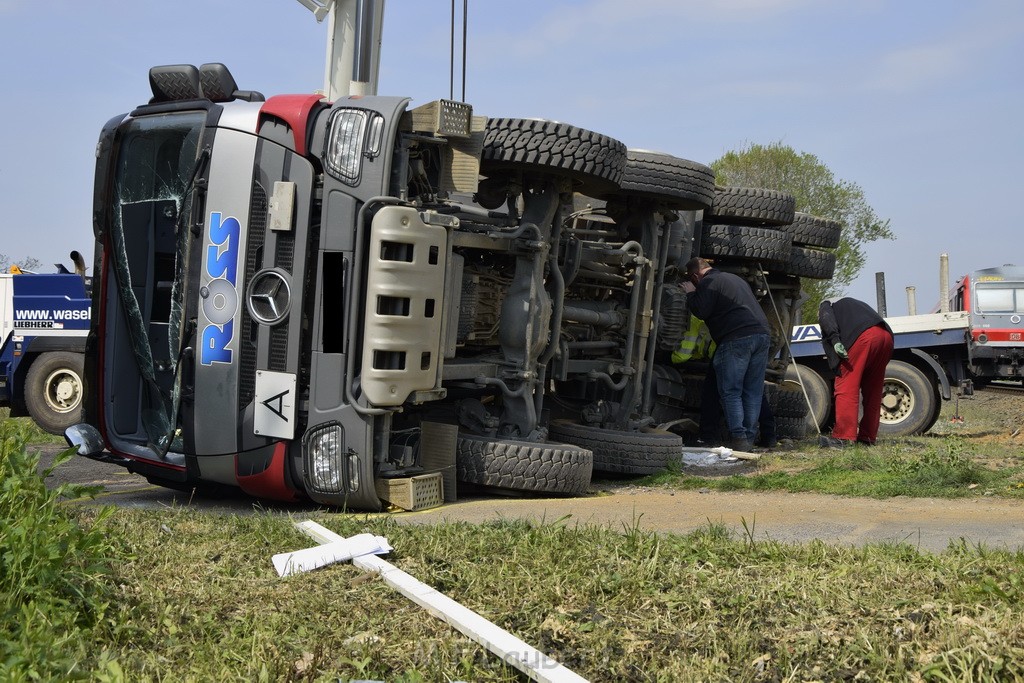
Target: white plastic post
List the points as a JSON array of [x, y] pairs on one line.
[[513, 651]]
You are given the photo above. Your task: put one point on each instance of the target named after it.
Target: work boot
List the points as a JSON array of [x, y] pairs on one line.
[[834, 443], [742, 444]]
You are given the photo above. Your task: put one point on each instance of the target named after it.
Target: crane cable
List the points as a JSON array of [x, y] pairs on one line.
[[451, 53], [785, 337]]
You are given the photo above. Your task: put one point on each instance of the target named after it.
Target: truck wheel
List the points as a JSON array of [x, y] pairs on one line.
[[548, 146], [793, 428], [790, 401], [53, 390], [751, 206], [813, 231], [620, 451], [819, 395], [682, 184], [523, 465], [811, 263], [908, 401], [747, 243]]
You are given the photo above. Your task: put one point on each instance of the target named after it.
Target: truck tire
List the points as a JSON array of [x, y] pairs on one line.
[[53, 390], [908, 401], [683, 184], [751, 206], [523, 465], [792, 428], [548, 146], [790, 401], [745, 243], [619, 451], [813, 231], [811, 263], [819, 395]]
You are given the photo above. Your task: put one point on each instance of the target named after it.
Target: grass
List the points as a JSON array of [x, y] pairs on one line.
[[202, 602], [29, 430], [53, 588], [178, 595], [945, 470], [982, 455], [94, 593]]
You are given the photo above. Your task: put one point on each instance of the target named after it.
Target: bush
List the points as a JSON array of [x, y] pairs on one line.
[[52, 568]]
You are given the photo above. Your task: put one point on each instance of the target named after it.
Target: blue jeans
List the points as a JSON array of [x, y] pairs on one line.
[[740, 365]]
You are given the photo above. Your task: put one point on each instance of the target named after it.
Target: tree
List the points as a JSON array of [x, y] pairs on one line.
[[28, 263], [817, 192]]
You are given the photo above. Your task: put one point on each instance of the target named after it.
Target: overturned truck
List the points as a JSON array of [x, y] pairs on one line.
[[290, 293]]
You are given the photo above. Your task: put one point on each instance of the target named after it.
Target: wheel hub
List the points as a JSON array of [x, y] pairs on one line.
[[897, 402], [63, 391]]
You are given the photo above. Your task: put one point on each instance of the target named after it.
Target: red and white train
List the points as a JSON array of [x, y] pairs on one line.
[[994, 298]]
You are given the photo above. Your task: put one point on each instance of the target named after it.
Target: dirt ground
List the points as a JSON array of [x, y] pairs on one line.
[[992, 423]]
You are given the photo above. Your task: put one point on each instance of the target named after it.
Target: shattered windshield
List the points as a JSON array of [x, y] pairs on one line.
[[151, 241]]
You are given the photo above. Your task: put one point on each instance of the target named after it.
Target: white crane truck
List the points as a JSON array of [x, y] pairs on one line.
[[44, 319]]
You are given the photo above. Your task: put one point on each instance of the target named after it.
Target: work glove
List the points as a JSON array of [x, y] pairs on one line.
[[840, 350]]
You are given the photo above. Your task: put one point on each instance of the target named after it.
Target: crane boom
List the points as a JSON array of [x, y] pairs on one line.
[[352, 62]]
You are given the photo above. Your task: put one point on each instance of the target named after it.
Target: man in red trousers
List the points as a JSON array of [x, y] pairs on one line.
[[858, 345]]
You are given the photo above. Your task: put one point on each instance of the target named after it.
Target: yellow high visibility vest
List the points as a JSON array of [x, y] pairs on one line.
[[697, 344]]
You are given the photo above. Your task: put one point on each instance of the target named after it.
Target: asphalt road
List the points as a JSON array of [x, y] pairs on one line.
[[929, 524]]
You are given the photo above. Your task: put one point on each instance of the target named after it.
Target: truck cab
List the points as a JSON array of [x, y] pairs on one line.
[[231, 233]]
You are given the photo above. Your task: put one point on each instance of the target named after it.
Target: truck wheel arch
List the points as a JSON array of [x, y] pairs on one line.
[[940, 375], [939, 380]]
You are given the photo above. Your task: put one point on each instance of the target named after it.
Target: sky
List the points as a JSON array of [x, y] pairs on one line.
[[918, 102]]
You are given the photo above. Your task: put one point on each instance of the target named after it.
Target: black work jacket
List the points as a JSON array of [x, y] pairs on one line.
[[844, 320], [727, 305]]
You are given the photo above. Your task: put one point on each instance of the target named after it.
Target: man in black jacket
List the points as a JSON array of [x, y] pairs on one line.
[[740, 329], [858, 345]]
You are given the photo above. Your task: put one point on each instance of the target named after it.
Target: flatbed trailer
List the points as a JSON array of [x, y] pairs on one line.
[[929, 363]]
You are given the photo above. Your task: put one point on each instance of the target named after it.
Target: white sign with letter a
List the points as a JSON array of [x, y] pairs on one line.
[[274, 408]]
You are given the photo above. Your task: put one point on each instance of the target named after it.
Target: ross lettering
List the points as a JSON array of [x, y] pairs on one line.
[[215, 343], [222, 255], [220, 296]]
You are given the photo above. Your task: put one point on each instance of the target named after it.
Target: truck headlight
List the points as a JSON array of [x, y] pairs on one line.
[[353, 134], [329, 469]]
